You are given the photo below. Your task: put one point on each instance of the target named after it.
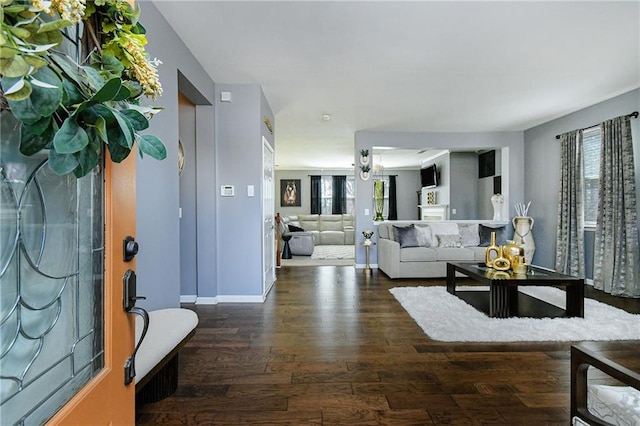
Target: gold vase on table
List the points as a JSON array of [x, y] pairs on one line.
[[491, 249]]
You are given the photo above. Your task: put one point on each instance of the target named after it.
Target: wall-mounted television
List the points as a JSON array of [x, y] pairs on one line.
[[429, 176]]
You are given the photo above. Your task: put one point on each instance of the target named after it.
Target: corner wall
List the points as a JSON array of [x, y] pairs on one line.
[[158, 224], [239, 132]]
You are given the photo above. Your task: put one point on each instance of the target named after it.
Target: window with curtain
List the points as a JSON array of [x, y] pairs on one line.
[[591, 174], [327, 190]]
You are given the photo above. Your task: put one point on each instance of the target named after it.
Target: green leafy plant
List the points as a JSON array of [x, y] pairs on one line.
[[72, 109]]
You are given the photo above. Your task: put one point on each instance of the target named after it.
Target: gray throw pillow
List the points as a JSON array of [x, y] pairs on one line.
[[406, 236], [423, 235], [449, 241], [485, 235], [469, 236]]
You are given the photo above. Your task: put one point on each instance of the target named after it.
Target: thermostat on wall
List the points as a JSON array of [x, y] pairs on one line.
[[226, 191]]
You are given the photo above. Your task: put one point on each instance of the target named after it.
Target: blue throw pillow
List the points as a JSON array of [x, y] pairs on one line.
[[406, 236], [485, 235]]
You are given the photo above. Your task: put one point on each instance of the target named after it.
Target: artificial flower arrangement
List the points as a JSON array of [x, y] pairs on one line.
[[71, 109]]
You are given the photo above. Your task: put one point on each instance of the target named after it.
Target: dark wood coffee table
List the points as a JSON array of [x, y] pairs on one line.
[[503, 299]]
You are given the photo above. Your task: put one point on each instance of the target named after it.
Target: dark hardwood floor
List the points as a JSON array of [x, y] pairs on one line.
[[332, 346]]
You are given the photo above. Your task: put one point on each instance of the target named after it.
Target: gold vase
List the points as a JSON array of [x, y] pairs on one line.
[[492, 248], [518, 265], [511, 250], [501, 264]]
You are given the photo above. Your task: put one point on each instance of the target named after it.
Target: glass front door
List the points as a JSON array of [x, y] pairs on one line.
[[51, 283]]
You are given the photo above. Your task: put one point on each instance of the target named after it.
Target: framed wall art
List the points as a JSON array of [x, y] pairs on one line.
[[290, 195]]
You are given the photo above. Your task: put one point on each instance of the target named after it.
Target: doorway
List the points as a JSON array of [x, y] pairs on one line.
[[187, 172]]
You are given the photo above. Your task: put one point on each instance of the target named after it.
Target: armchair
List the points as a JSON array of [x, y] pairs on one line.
[[598, 404]]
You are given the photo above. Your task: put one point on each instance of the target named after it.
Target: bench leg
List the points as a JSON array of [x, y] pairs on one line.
[[162, 384]]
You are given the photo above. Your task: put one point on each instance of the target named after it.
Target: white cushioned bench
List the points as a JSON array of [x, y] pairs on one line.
[[157, 358]]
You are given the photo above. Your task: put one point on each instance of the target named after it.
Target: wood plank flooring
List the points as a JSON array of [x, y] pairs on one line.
[[332, 346]]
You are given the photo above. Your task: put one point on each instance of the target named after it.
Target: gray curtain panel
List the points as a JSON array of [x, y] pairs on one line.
[[316, 194], [339, 195], [570, 228], [616, 254]]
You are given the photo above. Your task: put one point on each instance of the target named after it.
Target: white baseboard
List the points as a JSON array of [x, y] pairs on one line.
[[363, 265], [188, 298], [207, 301], [222, 299], [240, 299]]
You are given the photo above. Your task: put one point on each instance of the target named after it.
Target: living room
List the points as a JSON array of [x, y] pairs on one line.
[[321, 83], [532, 151]]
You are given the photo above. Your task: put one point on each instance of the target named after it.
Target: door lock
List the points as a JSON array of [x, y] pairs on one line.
[[129, 248]]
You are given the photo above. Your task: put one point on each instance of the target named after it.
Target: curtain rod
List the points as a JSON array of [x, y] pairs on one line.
[[634, 114]]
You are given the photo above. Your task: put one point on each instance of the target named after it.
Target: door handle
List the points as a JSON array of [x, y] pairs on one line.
[[129, 284]]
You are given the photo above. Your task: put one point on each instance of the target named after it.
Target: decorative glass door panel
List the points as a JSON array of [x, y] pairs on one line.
[[51, 283]]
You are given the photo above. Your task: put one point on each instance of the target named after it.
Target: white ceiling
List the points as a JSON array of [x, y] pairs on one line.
[[411, 66]]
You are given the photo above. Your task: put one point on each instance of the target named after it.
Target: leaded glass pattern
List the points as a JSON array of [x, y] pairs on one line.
[[51, 281]]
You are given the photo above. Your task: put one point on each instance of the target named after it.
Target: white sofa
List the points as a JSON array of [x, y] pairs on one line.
[[421, 249], [327, 229], [310, 230]]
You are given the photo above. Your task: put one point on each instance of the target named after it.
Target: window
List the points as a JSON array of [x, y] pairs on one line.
[[591, 166], [326, 183]]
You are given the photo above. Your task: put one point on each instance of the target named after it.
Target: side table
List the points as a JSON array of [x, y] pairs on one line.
[[286, 251], [367, 249]]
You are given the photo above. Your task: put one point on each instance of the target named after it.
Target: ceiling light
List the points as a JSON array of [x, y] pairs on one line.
[[326, 117]]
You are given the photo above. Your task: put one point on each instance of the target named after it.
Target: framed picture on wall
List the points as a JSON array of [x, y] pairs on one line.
[[290, 195]]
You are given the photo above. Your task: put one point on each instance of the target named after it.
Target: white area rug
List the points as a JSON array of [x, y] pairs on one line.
[[333, 252], [446, 318]]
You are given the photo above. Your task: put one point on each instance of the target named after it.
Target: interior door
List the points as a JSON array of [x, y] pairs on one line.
[[268, 212], [106, 399]]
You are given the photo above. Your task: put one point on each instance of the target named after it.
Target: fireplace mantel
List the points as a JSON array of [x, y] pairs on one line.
[[434, 212]]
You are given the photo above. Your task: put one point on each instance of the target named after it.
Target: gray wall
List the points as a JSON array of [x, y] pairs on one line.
[[542, 167], [485, 190], [463, 195], [157, 189], [304, 190], [238, 136], [367, 139], [407, 187], [407, 181]]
